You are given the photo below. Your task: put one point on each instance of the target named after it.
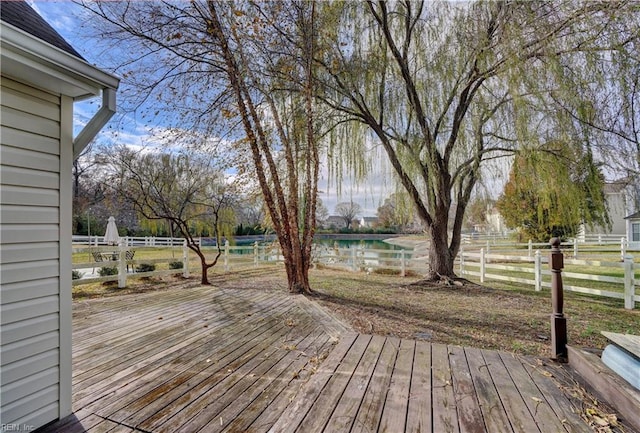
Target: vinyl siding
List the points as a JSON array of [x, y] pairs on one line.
[[30, 255]]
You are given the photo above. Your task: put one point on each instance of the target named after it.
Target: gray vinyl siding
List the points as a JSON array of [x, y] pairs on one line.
[[29, 255]]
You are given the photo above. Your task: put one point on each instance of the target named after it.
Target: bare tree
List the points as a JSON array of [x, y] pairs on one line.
[[348, 210], [185, 191], [245, 66]]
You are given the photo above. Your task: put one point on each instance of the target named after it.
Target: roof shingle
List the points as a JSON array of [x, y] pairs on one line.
[[18, 13]]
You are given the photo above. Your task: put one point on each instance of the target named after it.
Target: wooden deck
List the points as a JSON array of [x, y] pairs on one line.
[[211, 360]]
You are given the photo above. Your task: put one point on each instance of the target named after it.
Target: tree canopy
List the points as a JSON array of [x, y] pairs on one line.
[[184, 190], [551, 195], [444, 88]]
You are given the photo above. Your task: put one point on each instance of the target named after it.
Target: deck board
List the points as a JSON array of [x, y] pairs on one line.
[[211, 360], [419, 411], [520, 418], [468, 408]]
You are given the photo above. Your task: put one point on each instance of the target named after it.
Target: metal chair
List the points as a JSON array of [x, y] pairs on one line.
[[129, 256], [97, 257]]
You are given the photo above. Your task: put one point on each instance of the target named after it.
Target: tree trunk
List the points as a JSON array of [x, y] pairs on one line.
[[298, 274], [441, 260], [205, 271]]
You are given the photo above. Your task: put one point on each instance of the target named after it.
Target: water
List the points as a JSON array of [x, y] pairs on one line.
[[368, 251]]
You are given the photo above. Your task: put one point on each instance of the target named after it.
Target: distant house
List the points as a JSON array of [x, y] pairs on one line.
[[367, 222], [622, 199], [41, 77], [495, 221], [633, 230], [334, 222]]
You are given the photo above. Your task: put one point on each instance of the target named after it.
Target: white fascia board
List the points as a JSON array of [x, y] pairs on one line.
[[27, 57]]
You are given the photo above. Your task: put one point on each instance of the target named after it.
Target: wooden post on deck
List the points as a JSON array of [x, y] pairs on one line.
[[558, 321]]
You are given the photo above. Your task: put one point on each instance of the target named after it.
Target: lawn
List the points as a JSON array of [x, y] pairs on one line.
[[510, 318]]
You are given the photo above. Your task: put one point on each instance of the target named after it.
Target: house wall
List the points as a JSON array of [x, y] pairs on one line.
[[34, 198], [633, 228]]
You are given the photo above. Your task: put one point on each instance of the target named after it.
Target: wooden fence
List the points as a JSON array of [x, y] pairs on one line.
[[616, 279]]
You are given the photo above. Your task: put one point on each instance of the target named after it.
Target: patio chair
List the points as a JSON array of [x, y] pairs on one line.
[[97, 257], [129, 256]]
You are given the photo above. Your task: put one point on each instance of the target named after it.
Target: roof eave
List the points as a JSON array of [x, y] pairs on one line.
[[50, 67]]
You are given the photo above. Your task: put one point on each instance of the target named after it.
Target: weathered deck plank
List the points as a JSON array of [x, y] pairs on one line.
[[468, 408], [419, 411], [445, 418], [493, 414], [394, 414], [368, 417], [209, 360], [343, 416], [520, 418], [307, 397], [535, 401]]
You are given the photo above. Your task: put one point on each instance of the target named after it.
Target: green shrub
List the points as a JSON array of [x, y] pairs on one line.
[[106, 271], [76, 274], [146, 267], [175, 265]]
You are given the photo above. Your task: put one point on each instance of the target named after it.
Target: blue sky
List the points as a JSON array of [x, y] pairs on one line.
[[67, 18]]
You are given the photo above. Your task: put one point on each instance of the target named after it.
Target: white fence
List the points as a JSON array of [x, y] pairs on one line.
[[529, 270], [355, 259], [147, 241], [514, 263], [123, 260]]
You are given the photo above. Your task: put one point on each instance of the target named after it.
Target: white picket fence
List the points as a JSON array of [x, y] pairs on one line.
[[480, 264]]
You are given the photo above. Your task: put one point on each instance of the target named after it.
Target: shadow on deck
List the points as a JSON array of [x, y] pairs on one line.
[[215, 360]]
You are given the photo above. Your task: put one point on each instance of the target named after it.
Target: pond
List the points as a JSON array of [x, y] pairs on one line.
[[369, 250]]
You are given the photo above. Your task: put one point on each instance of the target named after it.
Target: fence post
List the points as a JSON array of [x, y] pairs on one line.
[[461, 260], [354, 258], [226, 255], [122, 264], [255, 254], [530, 247], [623, 249], [575, 248], [402, 264], [482, 262], [629, 283], [185, 259], [538, 270], [558, 321]]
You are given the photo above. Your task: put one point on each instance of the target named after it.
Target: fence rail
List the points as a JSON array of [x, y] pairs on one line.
[[147, 241], [621, 285], [520, 264]]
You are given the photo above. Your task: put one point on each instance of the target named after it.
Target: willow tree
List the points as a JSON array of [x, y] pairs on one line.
[[444, 88], [241, 71], [545, 197]]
